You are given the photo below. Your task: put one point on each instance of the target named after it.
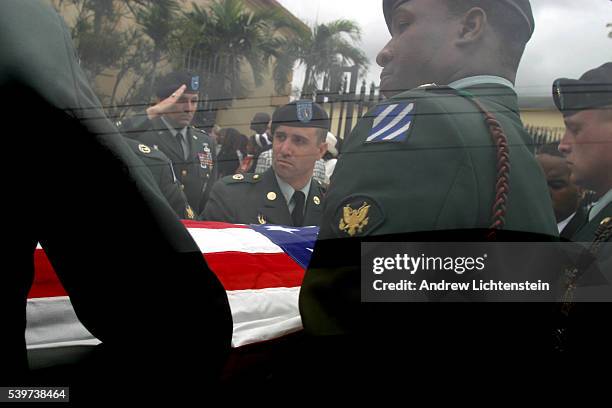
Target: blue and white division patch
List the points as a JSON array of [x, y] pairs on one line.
[[392, 123]]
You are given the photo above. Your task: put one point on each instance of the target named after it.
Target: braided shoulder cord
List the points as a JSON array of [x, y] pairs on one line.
[[502, 185], [603, 234]]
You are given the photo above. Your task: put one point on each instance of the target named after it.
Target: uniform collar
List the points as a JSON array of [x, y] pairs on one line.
[[288, 191], [173, 130], [561, 225], [480, 80], [600, 205]]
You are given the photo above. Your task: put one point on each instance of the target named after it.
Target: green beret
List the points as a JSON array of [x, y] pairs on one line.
[[523, 7], [593, 90], [303, 113]]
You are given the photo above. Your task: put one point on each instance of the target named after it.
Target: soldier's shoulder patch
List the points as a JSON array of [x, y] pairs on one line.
[[392, 122], [357, 215]]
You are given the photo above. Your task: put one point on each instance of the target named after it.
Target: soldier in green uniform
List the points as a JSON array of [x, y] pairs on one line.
[[163, 173], [166, 126], [586, 105], [444, 158], [285, 194]]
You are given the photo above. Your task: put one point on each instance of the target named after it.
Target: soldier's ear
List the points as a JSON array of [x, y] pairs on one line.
[[322, 150], [471, 26]]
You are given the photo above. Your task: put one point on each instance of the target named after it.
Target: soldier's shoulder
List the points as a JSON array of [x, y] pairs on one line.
[[433, 103], [242, 180], [427, 101], [432, 95], [319, 186], [200, 133]]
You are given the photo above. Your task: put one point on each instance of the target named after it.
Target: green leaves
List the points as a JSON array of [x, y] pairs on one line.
[[321, 50], [228, 36]]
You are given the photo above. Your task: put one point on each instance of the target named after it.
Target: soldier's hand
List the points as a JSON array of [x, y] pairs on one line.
[[167, 105]]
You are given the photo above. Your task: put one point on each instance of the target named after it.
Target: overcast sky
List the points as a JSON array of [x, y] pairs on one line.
[[571, 36]]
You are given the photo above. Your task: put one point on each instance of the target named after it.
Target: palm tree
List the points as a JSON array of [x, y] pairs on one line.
[[227, 35], [321, 50], [158, 21]]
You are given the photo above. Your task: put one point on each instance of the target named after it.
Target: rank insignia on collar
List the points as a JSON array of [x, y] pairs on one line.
[[354, 221], [189, 213], [304, 111], [261, 220], [392, 122]]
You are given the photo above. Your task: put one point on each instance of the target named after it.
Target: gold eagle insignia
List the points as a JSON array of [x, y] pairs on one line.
[[353, 221], [189, 213]]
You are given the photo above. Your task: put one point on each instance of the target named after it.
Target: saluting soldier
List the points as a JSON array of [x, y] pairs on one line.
[[285, 194], [166, 126], [163, 173], [445, 155]]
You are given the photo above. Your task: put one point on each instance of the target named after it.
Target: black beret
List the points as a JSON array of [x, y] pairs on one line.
[[260, 119], [168, 84], [523, 7], [303, 113], [593, 90]]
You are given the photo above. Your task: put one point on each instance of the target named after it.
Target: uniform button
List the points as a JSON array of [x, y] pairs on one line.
[[208, 176], [182, 186], [184, 173]]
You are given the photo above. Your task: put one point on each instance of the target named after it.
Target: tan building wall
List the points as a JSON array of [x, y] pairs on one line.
[[542, 118]]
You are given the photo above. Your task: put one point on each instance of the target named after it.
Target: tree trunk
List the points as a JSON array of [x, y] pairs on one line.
[[156, 57], [306, 85]]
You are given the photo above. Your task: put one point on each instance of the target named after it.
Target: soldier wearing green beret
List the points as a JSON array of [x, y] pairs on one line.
[[286, 194], [166, 126], [163, 173], [446, 151]]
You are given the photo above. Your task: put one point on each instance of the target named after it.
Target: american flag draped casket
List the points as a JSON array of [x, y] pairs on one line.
[[260, 266]]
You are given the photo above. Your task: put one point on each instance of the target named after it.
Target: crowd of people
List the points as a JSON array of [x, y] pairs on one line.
[[443, 157]]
